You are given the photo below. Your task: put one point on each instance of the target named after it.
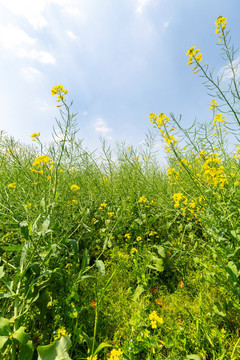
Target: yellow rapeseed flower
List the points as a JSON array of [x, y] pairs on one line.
[[61, 332], [42, 159], [213, 105], [35, 136], [74, 187], [92, 357], [115, 354], [58, 89]]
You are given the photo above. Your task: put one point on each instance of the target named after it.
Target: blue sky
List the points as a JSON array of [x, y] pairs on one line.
[[119, 60]]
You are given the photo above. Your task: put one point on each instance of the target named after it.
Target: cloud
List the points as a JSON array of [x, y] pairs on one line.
[[39, 55], [166, 24], [18, 42], [71, 35], [141, 4], [12, 37], [30, 73], [101, 128], [226, 73], [29, 9]]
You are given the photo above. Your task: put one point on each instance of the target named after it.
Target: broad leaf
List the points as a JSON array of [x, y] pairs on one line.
[[100, 267], [26, 352], [56, 351], [5, 328], [139, 290], [3, 340], [21, 336]]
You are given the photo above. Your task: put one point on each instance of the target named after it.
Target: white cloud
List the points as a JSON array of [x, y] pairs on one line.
[[39, 55], [12, 37], [71, 35], [226, 72], [22, 45], [165, 24], [30, 73], [29, 9], [101, 128], [141, 4]]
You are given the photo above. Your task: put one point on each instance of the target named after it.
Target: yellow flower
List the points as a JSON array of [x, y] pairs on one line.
[[104, 205], [58, 89], [92, 357], [35, 136], [142, 199], [213, 105], [61, 332], [134, 250], [191, 52], [12, 186], [127, 236], [199, 57], [42, 159], [139, 238], [74, 187], [115, 354]]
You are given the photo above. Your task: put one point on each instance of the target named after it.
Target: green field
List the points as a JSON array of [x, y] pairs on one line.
[[114, 256]]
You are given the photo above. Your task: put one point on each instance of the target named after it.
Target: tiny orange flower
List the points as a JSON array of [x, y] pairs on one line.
[[181, 284], [93, 303]]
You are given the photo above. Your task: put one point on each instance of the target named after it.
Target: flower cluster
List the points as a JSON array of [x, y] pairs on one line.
[[213, 172], [58, 89], [35, 136], [42, 159], [92, 357], [220, 23], [161, 122], [142, 199], [115, 354], [154, 318], [195, 54], [74, 187], [61, 332], [213, 105]]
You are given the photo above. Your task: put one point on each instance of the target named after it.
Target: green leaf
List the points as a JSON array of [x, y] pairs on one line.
[[160, 250], [139, 290], [55, 351], [100, 347], [5, 295], [157, 264], [193, 357], [21, 336], [2, 273], [5, 328], [100, 267], [232, 270], [24, 252], [24, 229], [26, 352], [3, 340], [45, 227]]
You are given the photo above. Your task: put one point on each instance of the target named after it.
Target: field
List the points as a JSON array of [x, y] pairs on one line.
[[113, 256]]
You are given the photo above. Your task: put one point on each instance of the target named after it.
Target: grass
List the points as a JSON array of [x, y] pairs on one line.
[[114, 257]]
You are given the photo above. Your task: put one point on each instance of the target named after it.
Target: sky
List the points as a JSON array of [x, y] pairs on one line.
[[119, 59]]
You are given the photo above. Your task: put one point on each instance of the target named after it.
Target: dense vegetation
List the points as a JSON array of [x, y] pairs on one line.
[[115, 257]]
